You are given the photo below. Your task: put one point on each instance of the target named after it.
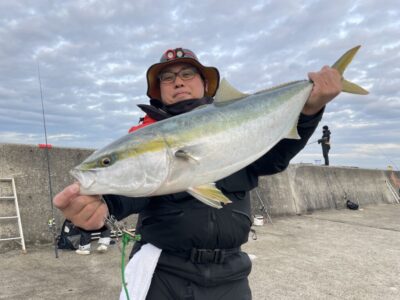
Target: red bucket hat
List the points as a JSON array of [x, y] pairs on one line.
[[180, 55]]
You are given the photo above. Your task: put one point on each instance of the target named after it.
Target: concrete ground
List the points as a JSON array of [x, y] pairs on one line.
[[336, 254]]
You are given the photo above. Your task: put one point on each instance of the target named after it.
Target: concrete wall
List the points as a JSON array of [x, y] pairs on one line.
[[305, 188], [300, 189], [28, 165]]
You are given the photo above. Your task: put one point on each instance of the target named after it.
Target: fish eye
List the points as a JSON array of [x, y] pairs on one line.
[[105, 161]]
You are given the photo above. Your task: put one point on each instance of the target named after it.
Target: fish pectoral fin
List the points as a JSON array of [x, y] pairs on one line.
[[185, 155], [209, 194], [226, 92], [293, 134]]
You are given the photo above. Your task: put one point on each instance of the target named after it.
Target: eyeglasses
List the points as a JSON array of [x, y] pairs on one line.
[[184, 74]]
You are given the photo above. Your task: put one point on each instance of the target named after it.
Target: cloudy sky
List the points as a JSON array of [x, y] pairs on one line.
[[93, 56]]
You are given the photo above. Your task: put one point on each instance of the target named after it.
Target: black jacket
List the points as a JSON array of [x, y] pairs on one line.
[[326, 138], [179, 222]]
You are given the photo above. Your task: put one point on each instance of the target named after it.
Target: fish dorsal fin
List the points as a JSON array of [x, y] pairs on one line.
[[226, 92]]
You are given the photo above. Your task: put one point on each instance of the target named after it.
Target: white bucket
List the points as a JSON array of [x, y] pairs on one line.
[[258, 220]]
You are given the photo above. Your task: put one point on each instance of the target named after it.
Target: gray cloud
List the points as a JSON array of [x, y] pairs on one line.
[[93, 56]]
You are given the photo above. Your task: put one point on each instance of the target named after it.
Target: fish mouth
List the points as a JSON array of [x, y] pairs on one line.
[[86, 179]]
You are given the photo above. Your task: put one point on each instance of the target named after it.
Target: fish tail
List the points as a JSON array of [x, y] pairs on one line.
[[341, 64]]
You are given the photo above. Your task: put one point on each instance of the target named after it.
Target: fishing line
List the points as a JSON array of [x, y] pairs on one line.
[[330, 188], [127, 237], [391, 161], [345, 197], [125, 241], [312, 142], [51, 223]]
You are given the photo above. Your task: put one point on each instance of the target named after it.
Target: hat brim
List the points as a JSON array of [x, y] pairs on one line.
[[210, 74]]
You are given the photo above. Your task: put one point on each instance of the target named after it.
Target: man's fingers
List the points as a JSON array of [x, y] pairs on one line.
[[311, 76], [327, 84], [92, 215], [86, 211], [63, 199], [98, 218]]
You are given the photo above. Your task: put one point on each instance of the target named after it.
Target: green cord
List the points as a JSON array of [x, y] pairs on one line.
[[126, 238]]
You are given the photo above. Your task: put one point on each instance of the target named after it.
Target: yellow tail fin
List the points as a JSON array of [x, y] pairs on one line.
[[341, 65]]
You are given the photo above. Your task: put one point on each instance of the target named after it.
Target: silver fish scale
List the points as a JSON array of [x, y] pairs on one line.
[[220, 139]]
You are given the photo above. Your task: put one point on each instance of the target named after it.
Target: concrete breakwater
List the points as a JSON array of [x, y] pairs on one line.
[[298, 190], [302, 189]]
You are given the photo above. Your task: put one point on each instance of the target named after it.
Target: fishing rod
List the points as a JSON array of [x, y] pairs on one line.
[[312, 142], [391, 161], [51, 223]]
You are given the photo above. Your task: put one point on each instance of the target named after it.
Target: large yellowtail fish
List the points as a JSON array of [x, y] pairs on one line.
[[190, 152]]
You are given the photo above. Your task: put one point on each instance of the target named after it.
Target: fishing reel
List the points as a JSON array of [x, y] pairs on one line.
[[51, 223]]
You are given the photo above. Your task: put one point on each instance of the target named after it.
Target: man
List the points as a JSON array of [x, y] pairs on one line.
[[86, 239], [201, 256], [325, 142]]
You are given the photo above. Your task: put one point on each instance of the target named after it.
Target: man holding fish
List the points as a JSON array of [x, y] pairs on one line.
[[200, 139]]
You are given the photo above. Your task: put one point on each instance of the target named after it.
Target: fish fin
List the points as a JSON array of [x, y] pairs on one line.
[[209, 194], [353, 88], [293, 134], [226, 92], [185, 155], [341, 64]]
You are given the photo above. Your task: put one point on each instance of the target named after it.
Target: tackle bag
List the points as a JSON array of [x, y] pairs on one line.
[[351, 205], [69, 236]]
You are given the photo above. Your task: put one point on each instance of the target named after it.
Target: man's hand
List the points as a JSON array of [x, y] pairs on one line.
[[87, 212], [327, 85]]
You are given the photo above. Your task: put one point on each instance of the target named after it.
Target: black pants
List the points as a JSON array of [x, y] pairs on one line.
[[165, 286], [177, 278], [325, 151], [86, 236]]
